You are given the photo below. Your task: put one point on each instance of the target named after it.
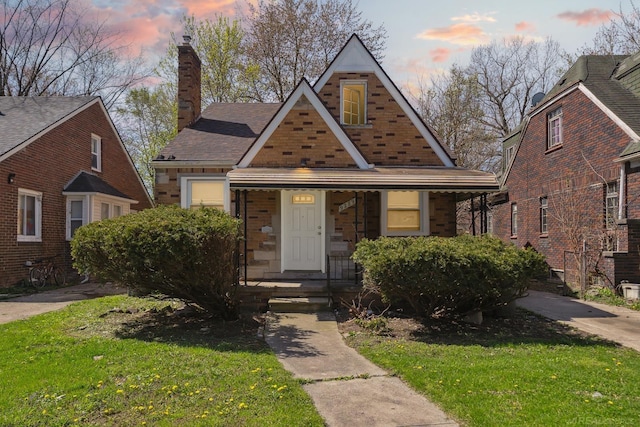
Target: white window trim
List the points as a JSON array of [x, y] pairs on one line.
[[38, 208], [551, 120], [85, 212], [185, 188], [353, 82], [424, 216], [514, 219], [98, 154]]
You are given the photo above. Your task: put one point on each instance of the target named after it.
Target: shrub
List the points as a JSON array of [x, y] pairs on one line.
[[182, 253], [447, 275]]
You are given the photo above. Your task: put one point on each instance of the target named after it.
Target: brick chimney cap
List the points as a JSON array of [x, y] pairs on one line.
[[187, 39]]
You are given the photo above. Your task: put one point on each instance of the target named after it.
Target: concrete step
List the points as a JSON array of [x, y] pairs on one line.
[[299, 305]]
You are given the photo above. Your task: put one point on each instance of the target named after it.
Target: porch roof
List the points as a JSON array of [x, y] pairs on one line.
[[444, 179]]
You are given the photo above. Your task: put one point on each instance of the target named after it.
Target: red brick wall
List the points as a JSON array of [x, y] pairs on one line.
[[591, 143], [390, 138], [46, 166], [167, 187]]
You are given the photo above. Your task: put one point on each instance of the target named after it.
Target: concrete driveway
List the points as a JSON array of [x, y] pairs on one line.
[[617, 324], [55, 299]]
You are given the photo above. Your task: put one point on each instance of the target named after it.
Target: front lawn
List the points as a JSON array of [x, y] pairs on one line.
[[523, 371], [129, 361]]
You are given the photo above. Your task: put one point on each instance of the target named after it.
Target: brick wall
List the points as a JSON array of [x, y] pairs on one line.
[[166, 190], [389, 138], [303, 134], [46, 166], [591, 143]]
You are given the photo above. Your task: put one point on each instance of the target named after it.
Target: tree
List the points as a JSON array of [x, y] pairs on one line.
[[227, 74], [292, 39], [148, 119], [52, 47], [621, 36], [509, 73]]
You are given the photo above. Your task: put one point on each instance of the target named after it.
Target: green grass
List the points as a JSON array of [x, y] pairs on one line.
[[522, 372], [607, 296], [129, 361]]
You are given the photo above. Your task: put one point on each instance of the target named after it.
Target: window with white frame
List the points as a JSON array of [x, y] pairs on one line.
[[554, 132], [544, 207], [29, 216], [514, 219], [197, 192], [354, 103], [76, 215], [489, 222], [611, 205], [508, 154], [105, 210], [405, 213], [96, 152]]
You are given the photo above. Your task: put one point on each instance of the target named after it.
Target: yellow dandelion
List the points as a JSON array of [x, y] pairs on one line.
[[44, 412], [553, 377], [607, 369], [119, 390], [211, 399], [610, 402], [150, 407], [243, 405], [174, 387]]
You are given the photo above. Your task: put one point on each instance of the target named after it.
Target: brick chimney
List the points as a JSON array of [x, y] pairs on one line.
[[188, 84]]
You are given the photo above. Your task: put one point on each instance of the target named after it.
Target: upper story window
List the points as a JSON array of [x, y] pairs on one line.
[[611, 205], [354, 102], [554, 131], [211, 191], [96, 152], [508, 154], [29, 216], [514, 220]]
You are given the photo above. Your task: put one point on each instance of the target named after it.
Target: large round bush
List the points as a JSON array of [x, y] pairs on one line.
[[186, 254]]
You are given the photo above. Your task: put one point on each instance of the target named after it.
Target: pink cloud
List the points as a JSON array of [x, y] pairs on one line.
[[525, 26], [440, 54], [475, 17], [587, 17], [460, 34]]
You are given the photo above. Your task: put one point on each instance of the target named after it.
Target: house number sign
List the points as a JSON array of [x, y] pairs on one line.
[[347, 204]]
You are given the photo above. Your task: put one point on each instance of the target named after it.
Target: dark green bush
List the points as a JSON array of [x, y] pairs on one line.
[[186, 254], [447, 275]]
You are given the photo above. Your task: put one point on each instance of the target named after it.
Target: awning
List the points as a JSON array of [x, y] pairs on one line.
[[444, 179]]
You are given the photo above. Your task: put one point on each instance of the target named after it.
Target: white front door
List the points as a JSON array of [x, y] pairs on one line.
[[303, 232]]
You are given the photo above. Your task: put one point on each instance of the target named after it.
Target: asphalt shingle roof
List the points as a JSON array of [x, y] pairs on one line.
[[23, 117], [88, 183], [223, 133]]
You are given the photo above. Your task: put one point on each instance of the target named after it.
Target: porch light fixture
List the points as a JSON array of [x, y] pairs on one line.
[[11, 178]]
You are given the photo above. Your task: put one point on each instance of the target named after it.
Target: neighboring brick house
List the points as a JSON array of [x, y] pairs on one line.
[[345, 159], [62, 164], [573, 166]]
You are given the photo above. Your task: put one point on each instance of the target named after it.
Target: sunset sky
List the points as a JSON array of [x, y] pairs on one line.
[[424, 36]]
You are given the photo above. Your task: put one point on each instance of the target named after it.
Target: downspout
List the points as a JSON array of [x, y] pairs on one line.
[[237, 203], [621, 195], [245, 237]]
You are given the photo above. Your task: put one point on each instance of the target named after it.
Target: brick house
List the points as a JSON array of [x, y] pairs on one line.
[[338, 161], [62, 164], [572, 168]]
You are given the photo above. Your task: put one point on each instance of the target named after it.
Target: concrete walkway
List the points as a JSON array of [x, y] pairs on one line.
[[617, 324], [50, 300], [346, 388]]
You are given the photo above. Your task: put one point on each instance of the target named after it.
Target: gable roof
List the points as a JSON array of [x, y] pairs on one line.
[[24, 118], [87, 183], [354, 57], [304, 90], [221, 136]]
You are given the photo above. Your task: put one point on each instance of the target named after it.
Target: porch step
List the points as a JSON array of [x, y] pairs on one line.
[[299, 305]]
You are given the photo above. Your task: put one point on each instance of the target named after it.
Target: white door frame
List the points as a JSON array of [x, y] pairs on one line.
[[286, 206]]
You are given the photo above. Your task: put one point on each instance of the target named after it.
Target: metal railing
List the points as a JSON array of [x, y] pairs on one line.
[[342, 269]]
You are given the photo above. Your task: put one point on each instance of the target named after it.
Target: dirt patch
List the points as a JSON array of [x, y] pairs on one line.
[[522, 326]]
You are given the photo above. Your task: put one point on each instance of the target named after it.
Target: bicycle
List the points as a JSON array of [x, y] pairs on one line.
[[43, 271]]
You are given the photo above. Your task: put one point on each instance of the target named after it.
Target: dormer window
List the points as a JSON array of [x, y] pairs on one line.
[[96, 153], [354, 102]]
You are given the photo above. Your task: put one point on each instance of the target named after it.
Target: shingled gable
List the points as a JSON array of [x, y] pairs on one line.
[[354, 57], [304, 90]]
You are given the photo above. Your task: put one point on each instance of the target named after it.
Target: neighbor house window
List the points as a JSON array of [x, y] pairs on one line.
[[508, 154], [544, 206], [76, 215], [29, 216], [96, 152], [199, 192], [554, 133], [405, 212], [514, 219], [611, 204], [117, 211], [354, 103], [489, 222], [104, 210]]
